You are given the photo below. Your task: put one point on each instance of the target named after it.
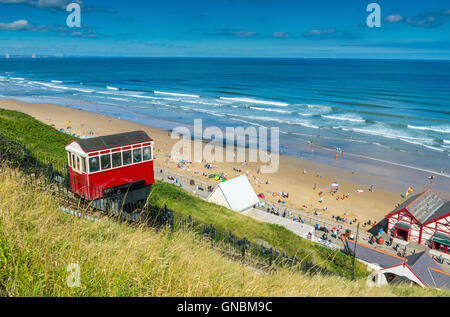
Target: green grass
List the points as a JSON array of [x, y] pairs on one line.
[[49, 141], [277, 236], [37, 136], [38, 242]]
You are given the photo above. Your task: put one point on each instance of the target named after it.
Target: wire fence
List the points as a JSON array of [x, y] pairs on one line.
[[202, 189], [49, 174]]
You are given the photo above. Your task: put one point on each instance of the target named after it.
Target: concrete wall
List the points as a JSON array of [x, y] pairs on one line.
[[401, 270]]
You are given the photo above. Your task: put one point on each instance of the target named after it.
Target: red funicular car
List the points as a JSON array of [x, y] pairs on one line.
[[112, 171]]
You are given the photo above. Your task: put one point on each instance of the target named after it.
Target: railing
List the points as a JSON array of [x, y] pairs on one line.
[[47, 174]]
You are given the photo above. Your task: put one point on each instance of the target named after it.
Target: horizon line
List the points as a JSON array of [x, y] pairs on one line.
[[223, 57]]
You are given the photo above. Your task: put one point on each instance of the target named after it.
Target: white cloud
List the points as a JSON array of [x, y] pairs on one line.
[[15, 26], [280, 34], [44, 4], [319, 32], [393, 18], [58, 4]]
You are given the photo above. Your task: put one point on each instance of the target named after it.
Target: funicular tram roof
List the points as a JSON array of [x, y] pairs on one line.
[[113, 140]]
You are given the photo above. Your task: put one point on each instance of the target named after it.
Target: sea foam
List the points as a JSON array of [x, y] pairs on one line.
[[344, 117], [250, 100], [175, 94], [439, 129]]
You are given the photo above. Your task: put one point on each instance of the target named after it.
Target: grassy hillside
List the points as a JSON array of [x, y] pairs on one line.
[[277, 236], [37, 136], [38, 242]]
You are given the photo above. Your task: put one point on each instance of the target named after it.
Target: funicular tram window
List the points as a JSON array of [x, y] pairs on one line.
[[94, 164], [126, 155], [76, 163], [106, 161], [137, 156], [116, 159], [147, 153]]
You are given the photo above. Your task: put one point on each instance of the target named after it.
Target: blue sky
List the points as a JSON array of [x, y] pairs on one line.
[[227, 28]]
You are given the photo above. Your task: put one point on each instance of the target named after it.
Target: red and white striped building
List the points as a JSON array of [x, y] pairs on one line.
[[424, 219]]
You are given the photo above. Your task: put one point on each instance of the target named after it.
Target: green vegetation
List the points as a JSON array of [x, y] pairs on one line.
[[39, 242], [37, 136], [277, 236]]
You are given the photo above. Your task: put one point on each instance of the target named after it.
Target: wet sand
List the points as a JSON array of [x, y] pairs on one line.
[[302, 179]]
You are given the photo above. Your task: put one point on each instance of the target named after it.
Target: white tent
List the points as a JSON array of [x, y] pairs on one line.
[[236, 194]]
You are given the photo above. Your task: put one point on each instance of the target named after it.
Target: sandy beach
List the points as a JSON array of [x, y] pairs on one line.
[[302, 179]]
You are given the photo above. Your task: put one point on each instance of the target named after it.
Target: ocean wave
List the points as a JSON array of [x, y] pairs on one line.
[[247, 122], [112, 88], [322, 107], [82, 90], [61, 87], [385, 132], [175, 94], [312, 110], [57, 81], [106, 103], [119, 99], [439, 129], [196, 102], [303, 123], [251, 100], [144, 97], [17, 78], [344, 117], [213, 113], [270, 110], [433, 148], [58, 87]]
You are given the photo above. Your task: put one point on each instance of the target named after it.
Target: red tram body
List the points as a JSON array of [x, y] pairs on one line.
[[102, 166]]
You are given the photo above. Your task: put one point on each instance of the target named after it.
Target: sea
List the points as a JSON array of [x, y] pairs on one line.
[[378, 112]]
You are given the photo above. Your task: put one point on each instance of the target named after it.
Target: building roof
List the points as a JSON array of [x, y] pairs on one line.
[[371, 255], [425, 206], [113, 140], [441, 279], [428, 271], [403, 225], [441, 212], [441, 237], [421, 264], [238, 193]]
